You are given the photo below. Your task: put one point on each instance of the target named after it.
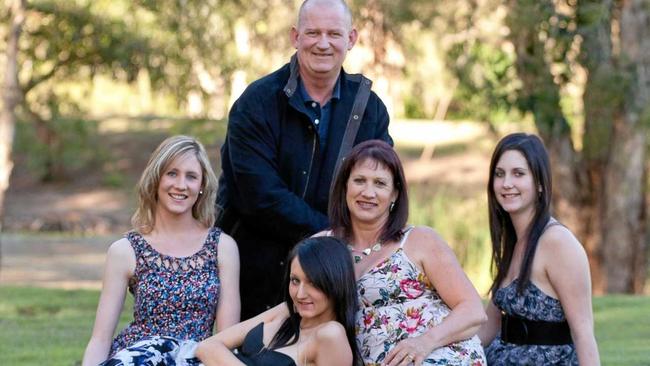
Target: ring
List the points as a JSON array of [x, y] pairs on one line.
[[410, 357]]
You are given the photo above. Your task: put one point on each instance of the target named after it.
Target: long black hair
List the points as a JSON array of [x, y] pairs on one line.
[[502, 231], [327, 263]]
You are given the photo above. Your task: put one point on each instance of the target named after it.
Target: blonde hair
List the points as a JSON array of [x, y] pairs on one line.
[[147, 189]]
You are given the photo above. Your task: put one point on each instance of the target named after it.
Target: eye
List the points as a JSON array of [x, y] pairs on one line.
[[519, 173], [499, 173], [381, 183], [358, 180], [294, 281], [335, 34], [171, 173]]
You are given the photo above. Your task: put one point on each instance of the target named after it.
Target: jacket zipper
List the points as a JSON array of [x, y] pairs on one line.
[[311, 162]]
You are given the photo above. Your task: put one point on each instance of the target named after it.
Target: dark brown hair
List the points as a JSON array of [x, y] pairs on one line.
[[384, 155], [502, 231]]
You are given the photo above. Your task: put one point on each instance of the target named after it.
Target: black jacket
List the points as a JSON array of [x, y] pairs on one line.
[[275, 178]]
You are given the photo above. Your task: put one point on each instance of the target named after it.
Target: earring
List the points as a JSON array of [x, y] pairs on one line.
[[392, 205], [200, 192]]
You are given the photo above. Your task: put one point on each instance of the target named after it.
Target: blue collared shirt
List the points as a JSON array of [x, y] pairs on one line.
[[320, 115]]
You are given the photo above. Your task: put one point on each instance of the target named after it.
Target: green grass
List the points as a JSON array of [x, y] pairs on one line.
[[51, 327], [623, 329], [46, 326]]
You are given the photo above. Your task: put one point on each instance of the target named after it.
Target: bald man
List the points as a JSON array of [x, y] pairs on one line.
[[283, 140]]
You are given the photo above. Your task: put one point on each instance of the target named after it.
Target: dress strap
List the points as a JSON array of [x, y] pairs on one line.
[[405, 235], [137, 242]]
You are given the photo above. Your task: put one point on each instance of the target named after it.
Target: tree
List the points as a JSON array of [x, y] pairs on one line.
[[66, 42], [11, 96], [601, 190]]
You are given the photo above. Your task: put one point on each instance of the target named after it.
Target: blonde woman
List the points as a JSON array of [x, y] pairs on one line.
[[182, 272]]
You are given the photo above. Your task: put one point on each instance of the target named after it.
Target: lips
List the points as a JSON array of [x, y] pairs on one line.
[[366, 204], [304, 305], [178, 196], [509, 195]]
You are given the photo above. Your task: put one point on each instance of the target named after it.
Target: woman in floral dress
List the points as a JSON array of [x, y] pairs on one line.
[[183, 273], [416, 304]]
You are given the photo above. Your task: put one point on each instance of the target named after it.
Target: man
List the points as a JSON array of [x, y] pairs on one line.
[[283, 140]]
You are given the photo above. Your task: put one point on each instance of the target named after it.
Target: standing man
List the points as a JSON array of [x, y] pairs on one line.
[[283, 140]]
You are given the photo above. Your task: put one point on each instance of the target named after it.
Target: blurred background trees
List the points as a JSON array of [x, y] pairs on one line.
[[578, 70]]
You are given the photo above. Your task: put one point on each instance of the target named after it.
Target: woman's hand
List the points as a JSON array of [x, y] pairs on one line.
[[409, 351]]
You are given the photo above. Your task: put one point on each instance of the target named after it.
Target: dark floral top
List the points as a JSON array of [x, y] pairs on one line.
[[173, 297], [532, 304], [397, 301]]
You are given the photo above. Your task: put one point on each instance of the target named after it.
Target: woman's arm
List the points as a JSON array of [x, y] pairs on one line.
[[229, 306], [568, 272], [490, 328], [120, 264], [441, 267], [216, 350]]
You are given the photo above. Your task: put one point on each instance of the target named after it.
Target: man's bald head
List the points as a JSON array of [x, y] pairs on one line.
[[341, 3]]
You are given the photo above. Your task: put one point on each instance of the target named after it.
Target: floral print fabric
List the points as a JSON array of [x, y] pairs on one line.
[[174, 297], [397, 301], [156, 351], [532, 304]]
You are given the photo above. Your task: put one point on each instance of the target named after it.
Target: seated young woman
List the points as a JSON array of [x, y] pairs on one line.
[[315, 324], [182, 271], [540, 310]]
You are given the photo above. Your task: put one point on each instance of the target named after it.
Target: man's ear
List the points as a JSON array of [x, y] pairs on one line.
[[352, 38], [293, 36]]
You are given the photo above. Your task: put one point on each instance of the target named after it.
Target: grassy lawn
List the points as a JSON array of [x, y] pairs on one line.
[[51, 327]]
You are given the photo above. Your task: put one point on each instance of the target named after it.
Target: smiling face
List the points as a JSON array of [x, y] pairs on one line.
[[180, 184], [514, 185], [370, 191], [323, 37], [310, 303]]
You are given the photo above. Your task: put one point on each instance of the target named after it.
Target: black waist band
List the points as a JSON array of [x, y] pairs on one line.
[[517, 330]]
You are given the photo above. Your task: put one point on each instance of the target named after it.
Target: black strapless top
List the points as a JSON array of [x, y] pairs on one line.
[[253, 353]]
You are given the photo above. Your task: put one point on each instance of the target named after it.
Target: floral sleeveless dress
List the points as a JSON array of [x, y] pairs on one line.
[[397, 301], [532, 304], [173, 297]]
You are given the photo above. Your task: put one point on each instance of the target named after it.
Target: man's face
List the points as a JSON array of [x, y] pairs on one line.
[[323, 38]]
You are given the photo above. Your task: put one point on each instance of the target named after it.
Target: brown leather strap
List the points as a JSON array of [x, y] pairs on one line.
[[358, 108]]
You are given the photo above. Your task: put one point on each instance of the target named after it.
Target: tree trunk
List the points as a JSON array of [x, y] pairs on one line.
[[11, 97], [599, 194], [594, 21], [541, 96], [624, 232]]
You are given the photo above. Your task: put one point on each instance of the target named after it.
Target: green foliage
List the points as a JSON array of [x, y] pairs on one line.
[[76, 148], [208, 131], [461, 219], [487, 82], [68, 40]]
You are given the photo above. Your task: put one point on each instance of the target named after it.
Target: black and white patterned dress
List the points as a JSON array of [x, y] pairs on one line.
[[532, 304]]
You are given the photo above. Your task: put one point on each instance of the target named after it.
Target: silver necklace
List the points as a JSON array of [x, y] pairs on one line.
[[366, 252]]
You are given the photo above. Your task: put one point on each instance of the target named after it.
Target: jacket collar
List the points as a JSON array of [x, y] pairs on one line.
[[292, 83]]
